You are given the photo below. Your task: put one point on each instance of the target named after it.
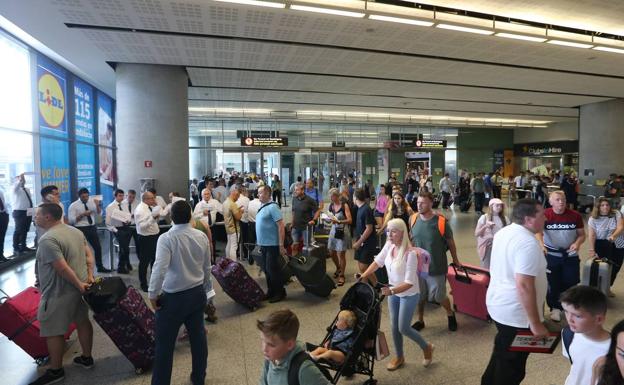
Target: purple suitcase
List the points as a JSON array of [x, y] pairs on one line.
[[132, 327], [235, 281]]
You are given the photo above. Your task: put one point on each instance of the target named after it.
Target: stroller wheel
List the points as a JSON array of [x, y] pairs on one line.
[[371, 381]]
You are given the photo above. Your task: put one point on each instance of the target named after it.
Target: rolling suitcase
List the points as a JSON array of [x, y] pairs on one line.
[[237, 283], [597, 274], [126, 319], [469, 286], [18, 322], [310, 271]]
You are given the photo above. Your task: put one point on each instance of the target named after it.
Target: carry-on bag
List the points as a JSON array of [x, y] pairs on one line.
[[18, 322], [236, 282], [311, 273], [469, 286], [128, 321], [259, 258], [597, 274]]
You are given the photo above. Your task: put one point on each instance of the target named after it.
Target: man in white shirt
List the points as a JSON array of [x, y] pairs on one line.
[[446, 187], [179, 288], [121, 230], [81, 214], [208, 207], [220, 192], [517, 291], [243, 202], [4, 223], [132, 204], [146, 218], [22, 214], [519, 182]]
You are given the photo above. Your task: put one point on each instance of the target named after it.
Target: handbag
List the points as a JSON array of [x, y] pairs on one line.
[[381, 346], [339, 233]]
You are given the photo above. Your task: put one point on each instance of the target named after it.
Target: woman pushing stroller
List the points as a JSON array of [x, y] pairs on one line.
[[403, 292]]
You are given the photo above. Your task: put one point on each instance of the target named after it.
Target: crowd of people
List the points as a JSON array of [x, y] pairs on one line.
[[532, 256]]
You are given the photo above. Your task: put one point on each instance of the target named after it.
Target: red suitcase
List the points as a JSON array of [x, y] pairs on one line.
[[18, 322], [468, 286]]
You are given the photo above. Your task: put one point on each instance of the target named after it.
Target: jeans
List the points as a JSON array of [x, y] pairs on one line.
[[564, 273], [273, 270], [505, 367], [22, 226], [401, 311], [479, 199], [185, 307], [446, 197], [231, 247], [147, 254], [90, 232]]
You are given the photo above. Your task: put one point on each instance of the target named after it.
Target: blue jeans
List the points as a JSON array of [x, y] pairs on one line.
[[564, 273], [401, 313], [185, 307]]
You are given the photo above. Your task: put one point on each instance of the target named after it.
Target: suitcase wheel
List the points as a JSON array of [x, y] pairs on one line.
[[138, 371], [42, 361]]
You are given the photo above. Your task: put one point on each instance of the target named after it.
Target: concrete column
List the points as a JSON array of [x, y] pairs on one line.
[[152, 125], [601, 139]]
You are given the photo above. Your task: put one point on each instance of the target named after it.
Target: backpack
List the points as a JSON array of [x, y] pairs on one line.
[[567, 336], [441, 226], [295, 366]]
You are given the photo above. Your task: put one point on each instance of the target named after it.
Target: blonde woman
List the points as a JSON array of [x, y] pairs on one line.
[[339, 236], [403, 292], [398, 208], [488, 225]]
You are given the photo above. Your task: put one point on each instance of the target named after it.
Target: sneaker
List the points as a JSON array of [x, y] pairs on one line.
[[122, 270], [418, 325], [555, 315], [452, 323], [50, 377], [85, 362], [428, 355]]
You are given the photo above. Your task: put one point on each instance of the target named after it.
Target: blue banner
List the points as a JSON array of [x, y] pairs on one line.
[[55, 166], [106, 126], [83, 113], [85, 167], [51, 97]]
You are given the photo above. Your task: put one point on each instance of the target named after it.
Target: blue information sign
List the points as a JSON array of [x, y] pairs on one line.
[[83, 111], [55, 166]]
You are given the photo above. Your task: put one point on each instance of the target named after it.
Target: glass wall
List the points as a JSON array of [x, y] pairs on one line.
[[54, 135]]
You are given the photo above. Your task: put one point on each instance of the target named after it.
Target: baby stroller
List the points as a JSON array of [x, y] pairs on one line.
[[365, 302]]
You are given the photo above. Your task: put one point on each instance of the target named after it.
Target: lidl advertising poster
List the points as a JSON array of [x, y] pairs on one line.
[[55, 166], [83, 111], [85, 167], [51, 97]]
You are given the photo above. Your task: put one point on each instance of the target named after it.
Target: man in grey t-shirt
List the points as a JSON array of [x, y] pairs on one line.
[[65, 271], [305, 212]]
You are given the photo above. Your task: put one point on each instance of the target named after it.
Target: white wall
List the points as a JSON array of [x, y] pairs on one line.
[[557, 131]]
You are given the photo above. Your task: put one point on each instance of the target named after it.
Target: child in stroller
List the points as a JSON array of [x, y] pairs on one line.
[[342, 340]]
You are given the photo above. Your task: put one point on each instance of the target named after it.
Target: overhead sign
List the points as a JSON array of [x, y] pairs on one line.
[[547, 148], [263, 142], [430, 143]]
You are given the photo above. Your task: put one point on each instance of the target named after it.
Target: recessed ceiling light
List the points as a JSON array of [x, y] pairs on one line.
[[569, 43], [327, 10], [255, 2], [465, 29], [609, 49], [401, 20], [521, 37]]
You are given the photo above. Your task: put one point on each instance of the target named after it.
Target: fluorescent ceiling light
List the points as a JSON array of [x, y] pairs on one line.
[[609, 49], [521, 37], [401, 20], [255, 2], [569, 43], [326, 10], [465, 29]]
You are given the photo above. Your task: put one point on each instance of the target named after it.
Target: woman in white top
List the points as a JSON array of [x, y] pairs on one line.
[[487, 225], [401, 262], [605, 235]]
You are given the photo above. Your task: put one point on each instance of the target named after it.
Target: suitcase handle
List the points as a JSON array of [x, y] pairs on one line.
[[301, 259], [461, 278]]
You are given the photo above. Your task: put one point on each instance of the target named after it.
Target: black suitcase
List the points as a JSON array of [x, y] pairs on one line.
[[311, 273], [465, 206]]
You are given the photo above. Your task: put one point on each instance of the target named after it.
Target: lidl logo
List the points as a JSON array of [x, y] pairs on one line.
[[51, 100]]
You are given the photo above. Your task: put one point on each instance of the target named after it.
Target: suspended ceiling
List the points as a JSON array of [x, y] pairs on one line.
[[253, 57]]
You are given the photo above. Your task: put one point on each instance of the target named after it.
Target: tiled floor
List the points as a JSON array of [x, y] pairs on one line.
[[234, 347]]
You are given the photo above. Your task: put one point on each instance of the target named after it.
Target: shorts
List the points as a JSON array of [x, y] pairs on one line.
[[378, 214], [432, 288], [55, 314], [365, 256], [299, 235]]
